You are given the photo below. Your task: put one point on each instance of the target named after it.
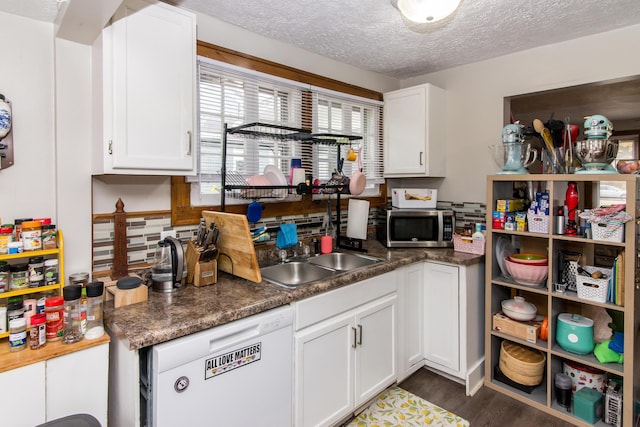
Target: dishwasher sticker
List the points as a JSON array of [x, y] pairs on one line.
[[234, 359]]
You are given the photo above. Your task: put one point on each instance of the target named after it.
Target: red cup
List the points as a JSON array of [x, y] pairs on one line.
[[326, 244]]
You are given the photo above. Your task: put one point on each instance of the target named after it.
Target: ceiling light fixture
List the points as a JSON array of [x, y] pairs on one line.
[[426, 11]]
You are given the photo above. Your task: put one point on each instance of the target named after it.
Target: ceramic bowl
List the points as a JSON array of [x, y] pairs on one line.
[[519, 309], [528, 275], [529, 259]]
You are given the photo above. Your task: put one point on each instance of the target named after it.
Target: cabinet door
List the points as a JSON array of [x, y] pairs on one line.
[[324, 371], [77, 383], [410, 320], [414, 137], [152, 67], [376, 348], [441, 316], [23, 399]]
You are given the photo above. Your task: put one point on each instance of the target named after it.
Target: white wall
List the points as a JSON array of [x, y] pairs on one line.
[[475, 95], [27, 80]]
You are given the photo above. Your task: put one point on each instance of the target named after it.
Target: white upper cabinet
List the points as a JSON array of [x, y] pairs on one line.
[[414, 132], [144, 67]]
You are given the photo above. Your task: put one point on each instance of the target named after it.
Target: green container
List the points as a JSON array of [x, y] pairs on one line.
[[587, 404]]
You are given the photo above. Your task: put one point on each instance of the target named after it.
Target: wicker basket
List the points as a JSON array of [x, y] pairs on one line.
[[468, 245], [599, 232], [538, 223], [522, 364], [593, 289]]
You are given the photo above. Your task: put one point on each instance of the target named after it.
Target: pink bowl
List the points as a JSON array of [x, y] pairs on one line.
[[527, 274]]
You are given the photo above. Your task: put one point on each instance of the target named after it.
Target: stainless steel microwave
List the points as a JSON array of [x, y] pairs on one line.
[[416, 228]]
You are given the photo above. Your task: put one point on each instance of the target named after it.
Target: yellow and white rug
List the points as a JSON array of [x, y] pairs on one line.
[[399, 408]]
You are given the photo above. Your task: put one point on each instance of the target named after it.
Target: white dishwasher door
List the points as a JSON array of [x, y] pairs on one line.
[[234, 375]]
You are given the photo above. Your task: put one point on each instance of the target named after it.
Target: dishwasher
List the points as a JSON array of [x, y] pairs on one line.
[[234, 375]]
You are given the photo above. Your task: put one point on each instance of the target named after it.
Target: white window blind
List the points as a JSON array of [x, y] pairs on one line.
[[237, 96]]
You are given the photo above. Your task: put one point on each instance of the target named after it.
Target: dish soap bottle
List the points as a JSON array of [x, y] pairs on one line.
[[478, 234]]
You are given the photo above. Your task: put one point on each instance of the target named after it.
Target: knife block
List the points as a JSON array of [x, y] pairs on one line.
[[200, 273]]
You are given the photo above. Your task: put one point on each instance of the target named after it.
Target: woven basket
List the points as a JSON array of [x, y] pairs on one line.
[[522, 364], [538, 223], [593, 289], [600, 233]]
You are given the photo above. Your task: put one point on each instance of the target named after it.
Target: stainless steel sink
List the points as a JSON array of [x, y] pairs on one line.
[[343, 261], [293, 274]]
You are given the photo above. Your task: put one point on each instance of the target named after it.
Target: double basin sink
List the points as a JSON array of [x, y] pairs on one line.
[[295, 273]]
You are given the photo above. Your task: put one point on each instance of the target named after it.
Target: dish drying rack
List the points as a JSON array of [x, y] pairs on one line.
[[237, 187]]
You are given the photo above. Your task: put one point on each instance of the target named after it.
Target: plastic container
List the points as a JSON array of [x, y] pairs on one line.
[[17, 334], [15, 308], [18, 276], [587, 405], [95, 326], [36, 271], [4, 276], [49, 237], [51, 271], [3, 319], [6, 237], [54, 309], [562, 387], [72, 318], [16, 247], [38, 331], [32, 235]]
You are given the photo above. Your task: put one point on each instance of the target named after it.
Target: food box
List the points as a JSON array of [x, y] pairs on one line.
[[498, 220], [421, 198], [509, 205], [529, 331]]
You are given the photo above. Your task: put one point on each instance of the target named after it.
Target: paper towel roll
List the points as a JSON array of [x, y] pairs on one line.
[[358, 218]]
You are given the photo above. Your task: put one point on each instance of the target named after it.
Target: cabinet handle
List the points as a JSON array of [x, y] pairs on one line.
[[110, 149], [360, 334], [355, 337], [421, 153], [189, 143]]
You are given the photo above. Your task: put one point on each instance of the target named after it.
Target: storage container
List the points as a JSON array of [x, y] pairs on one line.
[[574, 333], [587, 405], [522, 364], [593, 289]]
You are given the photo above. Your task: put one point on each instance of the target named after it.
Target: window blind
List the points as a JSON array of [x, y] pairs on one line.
[[234, 96]]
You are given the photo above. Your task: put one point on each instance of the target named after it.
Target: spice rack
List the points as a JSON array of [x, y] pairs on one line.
[[551, 301], [46, 254]]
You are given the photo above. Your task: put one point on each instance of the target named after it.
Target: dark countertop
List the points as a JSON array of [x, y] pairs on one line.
[[192, 309]]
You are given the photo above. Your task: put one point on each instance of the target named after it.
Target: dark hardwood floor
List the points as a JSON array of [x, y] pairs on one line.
[[486, 408]]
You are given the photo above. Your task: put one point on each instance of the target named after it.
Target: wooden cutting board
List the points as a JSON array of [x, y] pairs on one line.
[[237, 254]]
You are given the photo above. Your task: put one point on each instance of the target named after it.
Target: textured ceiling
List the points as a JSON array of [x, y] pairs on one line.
[[372, 35]]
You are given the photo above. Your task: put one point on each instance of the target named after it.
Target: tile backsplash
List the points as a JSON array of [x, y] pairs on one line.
[[143, 233]]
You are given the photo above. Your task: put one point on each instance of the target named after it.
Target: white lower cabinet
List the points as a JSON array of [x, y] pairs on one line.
[[344, 357], [453, 322], [76, 383], [410, 319]]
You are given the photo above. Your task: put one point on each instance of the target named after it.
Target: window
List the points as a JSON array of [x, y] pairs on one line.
[[233, 96]]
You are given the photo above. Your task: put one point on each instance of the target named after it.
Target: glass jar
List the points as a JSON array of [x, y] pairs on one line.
[[17, 229], [54, 311], [49, 238], [18, 276], [15, 308], [32, 235], [17, 334], [81, 279], [72, 327], [95, 327]]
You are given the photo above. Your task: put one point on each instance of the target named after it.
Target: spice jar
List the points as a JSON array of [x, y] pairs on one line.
[[54, 310], [32, 235], [29, 306], [6, 237], [36, 271], [4, 276], [15, 308], [72, 328], [49, 238], [81, 279], [51, 271], [17, 229], [18, 276], [15, 247], [38, 331], [17, 334], [3, 318], [95, 327]]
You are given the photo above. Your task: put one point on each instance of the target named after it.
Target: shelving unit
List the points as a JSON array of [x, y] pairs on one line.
[[551, 303], [257, 130], [46, 254]]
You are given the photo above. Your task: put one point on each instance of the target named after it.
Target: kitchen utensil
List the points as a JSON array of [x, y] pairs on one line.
[[546, 138], [575, 333], [596, 151], [357, 219], [562, 388], [358, 179], [519, 309], [167, 273], [351, 155], [513, 157]]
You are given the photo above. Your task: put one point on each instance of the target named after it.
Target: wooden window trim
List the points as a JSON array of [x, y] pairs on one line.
[[182, 213]]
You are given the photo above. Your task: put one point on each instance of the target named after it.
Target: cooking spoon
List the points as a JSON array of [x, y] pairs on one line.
[[546, 137]]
